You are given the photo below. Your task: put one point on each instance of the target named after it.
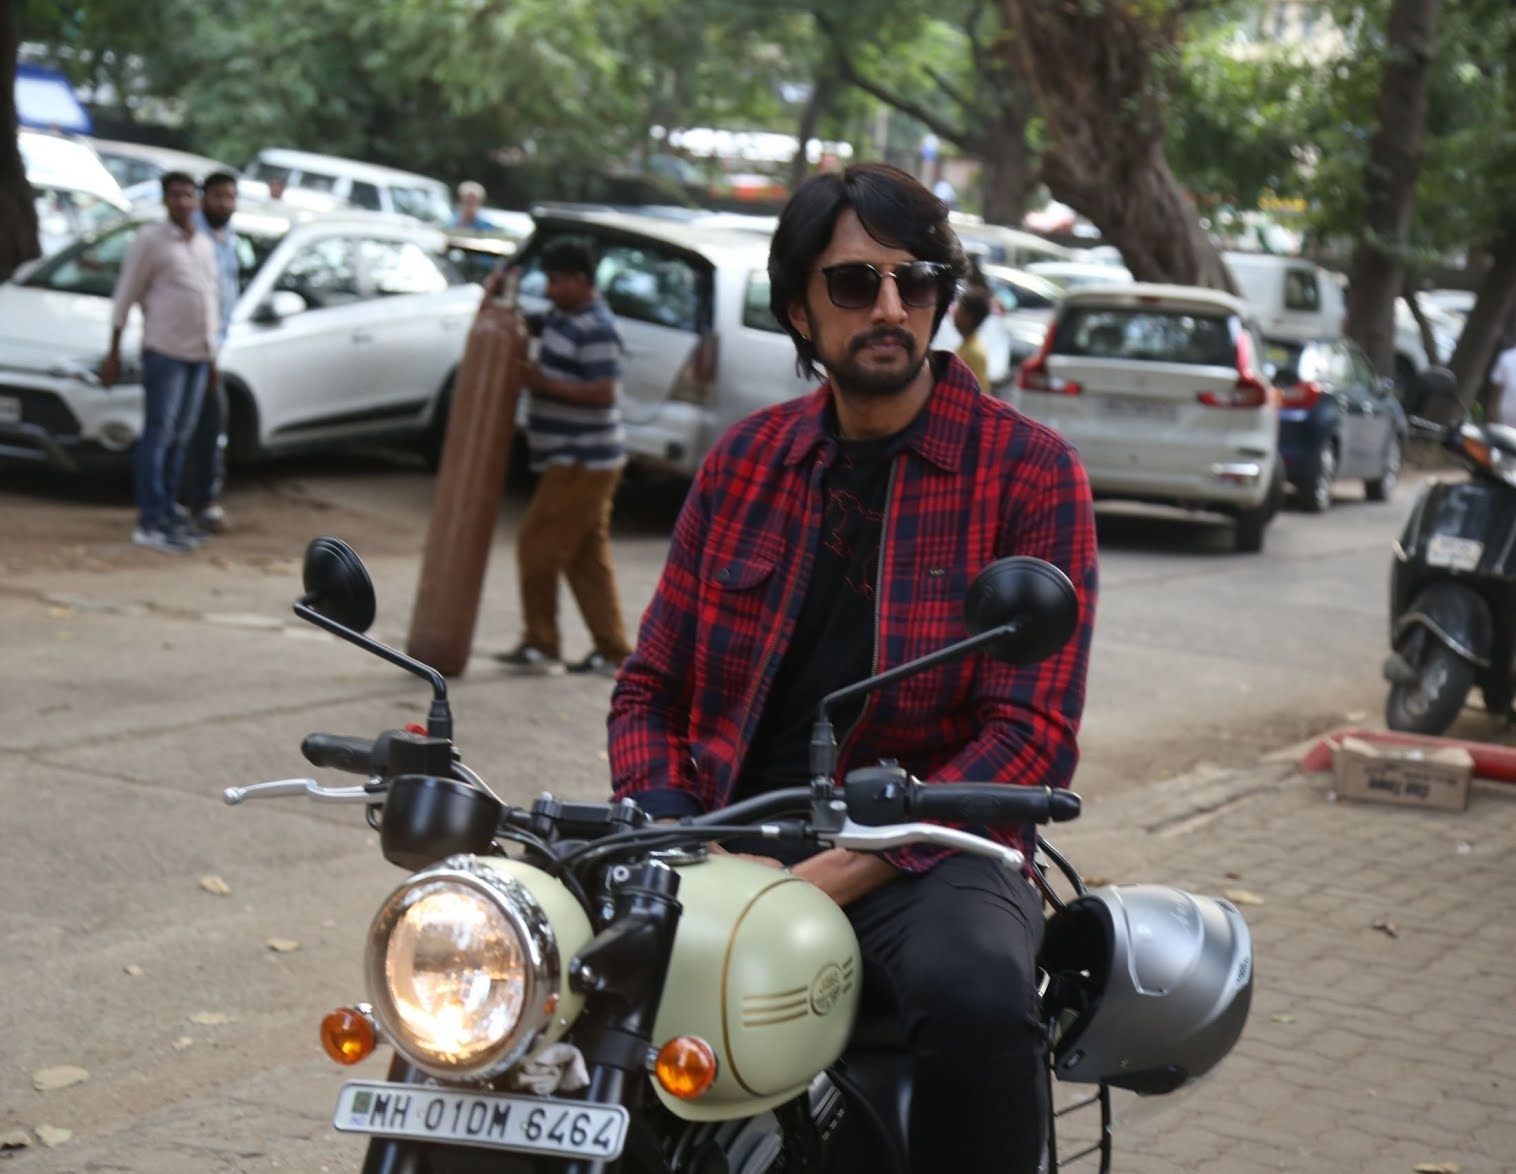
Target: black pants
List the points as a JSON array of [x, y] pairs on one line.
[[957, 950]]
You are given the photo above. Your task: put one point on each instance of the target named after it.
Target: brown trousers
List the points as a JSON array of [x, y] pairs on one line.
[[567, 532]]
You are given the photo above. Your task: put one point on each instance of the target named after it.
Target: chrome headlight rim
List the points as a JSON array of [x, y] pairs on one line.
[[538, 945]]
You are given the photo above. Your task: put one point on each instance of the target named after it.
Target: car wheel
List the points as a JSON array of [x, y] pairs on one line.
[[1251, 525], [1318, 491], [1382, 488], [1429, 703], [242, 443]]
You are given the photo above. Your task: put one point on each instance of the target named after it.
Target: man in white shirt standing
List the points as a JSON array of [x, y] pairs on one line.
[[1503, 377], [170, 270]]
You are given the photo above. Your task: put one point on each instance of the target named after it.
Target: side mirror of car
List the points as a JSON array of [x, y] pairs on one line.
[[279, 305]]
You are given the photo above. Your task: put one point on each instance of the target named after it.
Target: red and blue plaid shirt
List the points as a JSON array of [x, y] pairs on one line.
[[975, 481]]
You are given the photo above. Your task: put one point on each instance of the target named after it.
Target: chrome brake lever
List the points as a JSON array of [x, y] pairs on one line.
[[899, 835], [282, 787]]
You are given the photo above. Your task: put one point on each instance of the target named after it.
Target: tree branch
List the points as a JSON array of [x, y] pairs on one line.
[[963, 139], [947, 87]]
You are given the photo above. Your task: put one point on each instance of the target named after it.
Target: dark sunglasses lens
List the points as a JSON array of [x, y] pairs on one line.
[[919, 284], [852, 287]]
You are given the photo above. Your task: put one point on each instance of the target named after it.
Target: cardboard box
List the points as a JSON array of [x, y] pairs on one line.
[[1436, 779]]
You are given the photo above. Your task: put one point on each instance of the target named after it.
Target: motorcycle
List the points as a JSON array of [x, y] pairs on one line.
[[1453, 585], [572, 987]]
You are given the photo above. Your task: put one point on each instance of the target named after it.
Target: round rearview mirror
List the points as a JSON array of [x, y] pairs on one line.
[[337, 585], [1029, 592]]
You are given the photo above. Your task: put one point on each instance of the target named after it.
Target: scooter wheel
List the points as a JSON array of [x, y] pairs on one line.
[[1432, 703]]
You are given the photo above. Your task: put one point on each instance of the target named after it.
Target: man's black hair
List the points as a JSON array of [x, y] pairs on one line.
[[216, 179], [975, 305], [894, 209], [568, 255], [169, 178]]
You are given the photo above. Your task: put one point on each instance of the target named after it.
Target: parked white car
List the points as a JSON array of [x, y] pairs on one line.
[[316, 180], [73, 192], [349, 329], [691, 300], [1161, 389]]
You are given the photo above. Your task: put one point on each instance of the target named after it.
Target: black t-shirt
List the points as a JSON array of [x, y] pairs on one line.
[[833, 643]]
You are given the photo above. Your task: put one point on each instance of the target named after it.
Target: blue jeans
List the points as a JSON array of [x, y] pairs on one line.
[[171, 393], [205, 462]]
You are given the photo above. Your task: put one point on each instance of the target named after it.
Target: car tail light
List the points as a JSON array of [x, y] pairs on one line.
[[1035, 376], [1304, 394], [1248, 392], [696, 381]]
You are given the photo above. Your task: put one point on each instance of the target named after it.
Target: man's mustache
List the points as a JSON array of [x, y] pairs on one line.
[[884, 334]]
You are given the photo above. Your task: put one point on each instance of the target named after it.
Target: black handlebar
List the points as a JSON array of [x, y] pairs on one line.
[[880, 795], [343, 752]]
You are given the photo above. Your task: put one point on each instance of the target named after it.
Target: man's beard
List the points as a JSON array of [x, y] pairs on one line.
[[216, 219], [854, 378]]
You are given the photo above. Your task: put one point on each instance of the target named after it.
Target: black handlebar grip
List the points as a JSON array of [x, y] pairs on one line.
[[993, 804], [1064, 806], [340, 752]]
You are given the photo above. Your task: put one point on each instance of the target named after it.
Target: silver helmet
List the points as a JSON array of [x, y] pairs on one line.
[[1148, 986]]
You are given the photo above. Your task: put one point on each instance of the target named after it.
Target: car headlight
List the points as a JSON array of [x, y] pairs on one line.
[[463, 969]]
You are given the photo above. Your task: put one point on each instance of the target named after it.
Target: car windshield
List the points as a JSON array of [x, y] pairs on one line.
[[1148, 335], [422, 203], [93, 265]]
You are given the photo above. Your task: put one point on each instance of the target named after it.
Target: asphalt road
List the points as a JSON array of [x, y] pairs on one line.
[[136, 687]]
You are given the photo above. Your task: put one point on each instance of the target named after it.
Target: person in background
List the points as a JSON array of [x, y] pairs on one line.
[[968, 316], [1503, 380], [470, 199], [577, 447], [205, 461], [170, 271], [276, 189]]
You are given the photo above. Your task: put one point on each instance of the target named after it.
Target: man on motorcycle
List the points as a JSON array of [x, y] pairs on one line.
[[833, 536]]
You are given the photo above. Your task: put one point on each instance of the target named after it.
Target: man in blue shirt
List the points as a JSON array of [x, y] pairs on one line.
[[577, 447], [467, 217], [205, 460]]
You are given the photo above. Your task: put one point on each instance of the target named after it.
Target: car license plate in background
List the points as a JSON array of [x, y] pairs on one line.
[[1129, 407], [485, 1119], [1448, 550], [10, 409]]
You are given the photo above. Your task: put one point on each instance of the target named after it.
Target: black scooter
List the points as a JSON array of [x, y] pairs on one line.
[[1453, 583]]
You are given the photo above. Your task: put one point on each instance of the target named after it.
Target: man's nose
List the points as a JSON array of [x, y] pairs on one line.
[[887, 304]]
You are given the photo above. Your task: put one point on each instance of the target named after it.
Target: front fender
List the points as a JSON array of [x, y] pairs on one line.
[[1457, 616]]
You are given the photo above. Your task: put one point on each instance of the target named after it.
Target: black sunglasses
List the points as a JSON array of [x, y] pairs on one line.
[[854, 285]]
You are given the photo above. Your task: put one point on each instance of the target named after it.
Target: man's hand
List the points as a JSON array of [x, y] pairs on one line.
[[109, 370], [844, 875], [212, 376]]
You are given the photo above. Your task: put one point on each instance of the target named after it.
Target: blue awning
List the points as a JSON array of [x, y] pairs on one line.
[[46, 101]]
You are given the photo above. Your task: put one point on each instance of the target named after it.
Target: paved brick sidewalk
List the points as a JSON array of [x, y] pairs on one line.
[[1365, 1051]]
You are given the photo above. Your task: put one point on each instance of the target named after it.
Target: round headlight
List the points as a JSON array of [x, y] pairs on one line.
[[462, 969]]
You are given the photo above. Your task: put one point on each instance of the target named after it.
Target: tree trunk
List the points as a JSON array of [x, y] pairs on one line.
[[18, 214], [1006, 177], [1376, 272], [1489, 323], [1423, 327], [822, 92], [1091, 66]]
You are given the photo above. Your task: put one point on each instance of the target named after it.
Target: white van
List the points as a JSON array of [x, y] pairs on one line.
[[73, 192], [363, 185]]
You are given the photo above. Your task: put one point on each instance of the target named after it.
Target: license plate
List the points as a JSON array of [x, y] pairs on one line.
[[483, 1120], [1448, 550], [1136, 408], [10, 409]]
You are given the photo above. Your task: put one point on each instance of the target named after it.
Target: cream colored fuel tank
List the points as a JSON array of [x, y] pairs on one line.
[[766, 970]]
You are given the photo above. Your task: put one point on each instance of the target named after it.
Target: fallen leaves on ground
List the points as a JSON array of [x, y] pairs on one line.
[[215, 885], [1242, 897], [1096, 882], [62, 1076], [1283, 1017], [184, 1041], [1438, 1168], [211, 1018], [60, 613], [1388, 928], [283, 945], [52, 1135], [134, 970], [15, 1139]]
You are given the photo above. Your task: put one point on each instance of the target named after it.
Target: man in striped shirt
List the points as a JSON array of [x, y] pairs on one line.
[[577, 450]]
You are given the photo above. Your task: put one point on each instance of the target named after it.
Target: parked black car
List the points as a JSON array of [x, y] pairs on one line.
[[1338, 420]]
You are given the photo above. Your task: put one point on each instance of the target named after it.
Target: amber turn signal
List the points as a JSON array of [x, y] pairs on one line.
[[348, 1035], [686, 1067]]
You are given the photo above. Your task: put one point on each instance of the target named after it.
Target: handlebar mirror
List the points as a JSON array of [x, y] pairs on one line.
[[337, 584], [1031, 593]]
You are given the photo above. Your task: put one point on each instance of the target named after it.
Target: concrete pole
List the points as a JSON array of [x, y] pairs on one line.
[[470, 484]]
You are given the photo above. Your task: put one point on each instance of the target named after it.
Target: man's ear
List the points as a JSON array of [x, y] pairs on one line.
[[800, 320]]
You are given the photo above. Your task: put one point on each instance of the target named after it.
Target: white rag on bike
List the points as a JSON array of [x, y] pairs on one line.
[[559, 1068]]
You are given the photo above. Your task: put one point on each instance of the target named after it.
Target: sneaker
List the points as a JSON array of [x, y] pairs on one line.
[[596, 663], [161, 540], [528, 661], [212, 520], [186, 532]]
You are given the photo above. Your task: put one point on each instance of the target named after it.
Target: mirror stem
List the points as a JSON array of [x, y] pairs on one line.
[[439, 720]]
